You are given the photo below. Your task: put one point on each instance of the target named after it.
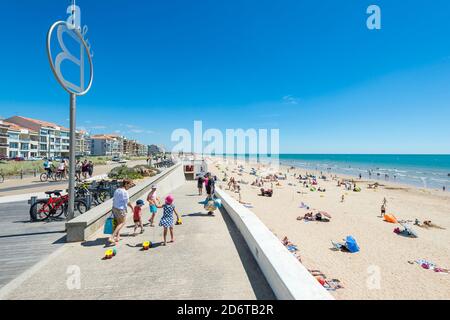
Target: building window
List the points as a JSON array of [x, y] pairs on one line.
[[14, 136]]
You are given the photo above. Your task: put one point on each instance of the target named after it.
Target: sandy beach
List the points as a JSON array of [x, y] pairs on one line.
[[384, 268]]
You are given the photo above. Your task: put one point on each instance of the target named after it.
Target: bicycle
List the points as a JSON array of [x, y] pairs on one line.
[[100, 192], [54, 207], [55, 176]]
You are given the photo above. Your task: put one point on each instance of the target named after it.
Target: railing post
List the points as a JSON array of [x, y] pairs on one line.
[[31, 202]]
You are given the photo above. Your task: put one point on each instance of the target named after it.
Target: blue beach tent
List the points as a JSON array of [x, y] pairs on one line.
[[351, 244]]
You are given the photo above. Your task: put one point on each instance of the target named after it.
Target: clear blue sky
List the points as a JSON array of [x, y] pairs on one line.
[[310, 68]]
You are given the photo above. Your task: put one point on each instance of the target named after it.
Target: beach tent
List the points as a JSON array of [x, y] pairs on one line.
[[351, 245], [390, 218]]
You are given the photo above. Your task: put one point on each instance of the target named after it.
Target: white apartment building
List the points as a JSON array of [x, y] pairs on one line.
[[83, 144], [21, 142], [106, 145], [54, 140]]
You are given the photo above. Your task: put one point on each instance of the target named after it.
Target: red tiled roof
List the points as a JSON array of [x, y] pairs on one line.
[[16, 127], [44, 123]]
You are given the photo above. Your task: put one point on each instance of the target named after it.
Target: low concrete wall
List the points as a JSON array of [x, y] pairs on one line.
[[84, 226], [288, 278]]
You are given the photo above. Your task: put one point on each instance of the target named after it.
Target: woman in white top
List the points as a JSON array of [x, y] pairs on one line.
[[121, 201]]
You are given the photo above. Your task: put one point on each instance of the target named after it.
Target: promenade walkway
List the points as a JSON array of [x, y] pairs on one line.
[[23, 244], [209, 260]]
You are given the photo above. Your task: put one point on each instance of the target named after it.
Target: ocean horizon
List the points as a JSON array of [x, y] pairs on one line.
[[420, 170]]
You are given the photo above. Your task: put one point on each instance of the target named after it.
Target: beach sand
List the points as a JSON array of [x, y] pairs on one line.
[[381, 269]]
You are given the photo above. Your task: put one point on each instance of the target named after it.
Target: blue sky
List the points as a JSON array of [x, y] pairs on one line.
[[310, 68]]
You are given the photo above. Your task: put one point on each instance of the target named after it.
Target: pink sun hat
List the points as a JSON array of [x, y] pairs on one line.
[[169, 199]]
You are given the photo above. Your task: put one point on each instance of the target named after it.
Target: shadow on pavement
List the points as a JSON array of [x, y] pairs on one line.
[[96, 242], [257, 279], [198, 214]]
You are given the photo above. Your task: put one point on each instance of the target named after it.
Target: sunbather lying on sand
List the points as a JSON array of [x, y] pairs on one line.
[[330, 285], [427, 224], [314, 217]]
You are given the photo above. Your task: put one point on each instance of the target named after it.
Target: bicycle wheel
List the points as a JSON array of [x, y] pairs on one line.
[[59, 211], [103, 196], [44, 177], [80, 207], [58, 176], [40, 210]]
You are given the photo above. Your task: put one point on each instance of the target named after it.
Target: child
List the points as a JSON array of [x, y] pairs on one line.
[[153, 201], [137, 217], [167, 218]]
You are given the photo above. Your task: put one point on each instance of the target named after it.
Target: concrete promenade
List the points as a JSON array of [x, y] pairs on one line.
[[210, 260]]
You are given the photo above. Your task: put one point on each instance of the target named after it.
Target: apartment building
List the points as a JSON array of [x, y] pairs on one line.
[[26, 137], [20, 141], [83, 144], [106, 145], [54, 140], [154, 149], [4, 141]]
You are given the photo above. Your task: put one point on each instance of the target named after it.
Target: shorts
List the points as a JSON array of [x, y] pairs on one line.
[[153, 209], [137, 220], [119, 214]]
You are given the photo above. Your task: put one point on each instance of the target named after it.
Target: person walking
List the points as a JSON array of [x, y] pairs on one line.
[[167, 221], [78, 168], [210, 185], [121, 202], [85, 169], [200, 182], [137, 217], [153, 201], [90, 169]]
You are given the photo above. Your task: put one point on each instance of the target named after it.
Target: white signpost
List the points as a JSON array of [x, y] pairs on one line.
[[75, 87]]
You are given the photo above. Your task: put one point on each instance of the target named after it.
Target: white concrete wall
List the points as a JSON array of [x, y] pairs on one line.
[[84, 226], [288, 278]]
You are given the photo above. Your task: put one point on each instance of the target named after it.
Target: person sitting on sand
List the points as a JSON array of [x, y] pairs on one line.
[[266, 192]]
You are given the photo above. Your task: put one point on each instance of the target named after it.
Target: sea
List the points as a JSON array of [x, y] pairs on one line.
[[425, 171]]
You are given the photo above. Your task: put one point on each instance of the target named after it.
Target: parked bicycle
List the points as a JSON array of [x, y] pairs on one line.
[[98, 192], [55, 205]]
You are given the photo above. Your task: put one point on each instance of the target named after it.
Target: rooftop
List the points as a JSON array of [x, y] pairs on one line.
[[44, 123]]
